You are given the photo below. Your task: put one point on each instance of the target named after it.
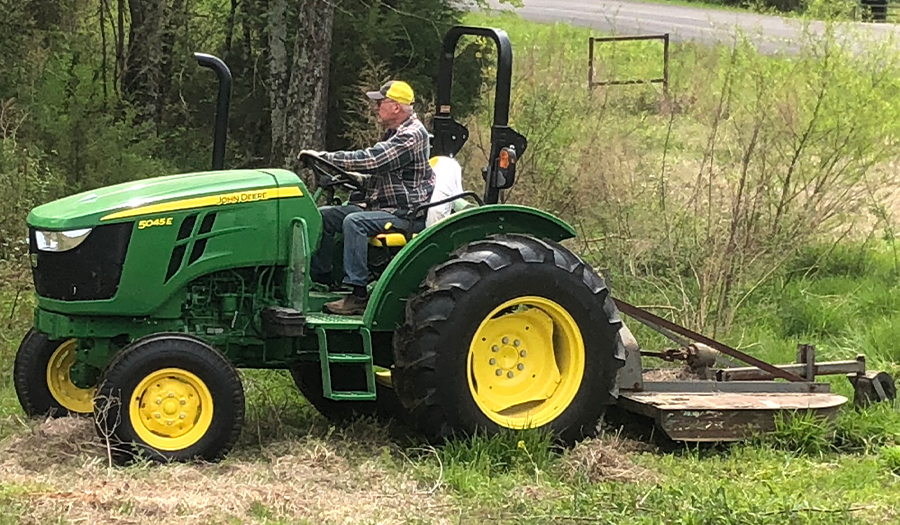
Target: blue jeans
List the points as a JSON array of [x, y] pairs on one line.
[[357, 225]]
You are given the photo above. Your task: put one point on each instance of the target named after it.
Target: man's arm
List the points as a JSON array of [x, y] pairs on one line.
[[385, 156]]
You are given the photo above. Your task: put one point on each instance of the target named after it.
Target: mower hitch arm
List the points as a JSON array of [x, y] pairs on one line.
[[639, 314]]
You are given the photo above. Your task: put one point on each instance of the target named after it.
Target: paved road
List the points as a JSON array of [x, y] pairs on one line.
[[771, 34]]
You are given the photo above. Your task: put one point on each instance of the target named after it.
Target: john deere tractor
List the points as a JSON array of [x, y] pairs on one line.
[[150, 294]]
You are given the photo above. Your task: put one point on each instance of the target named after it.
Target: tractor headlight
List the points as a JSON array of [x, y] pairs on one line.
[[60, 241]]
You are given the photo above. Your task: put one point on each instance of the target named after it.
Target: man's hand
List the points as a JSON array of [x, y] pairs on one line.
[[310, 152], [358, 178]]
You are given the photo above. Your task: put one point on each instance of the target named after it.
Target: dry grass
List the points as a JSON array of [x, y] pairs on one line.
[[682, 373], [62, 466], [607, 458]]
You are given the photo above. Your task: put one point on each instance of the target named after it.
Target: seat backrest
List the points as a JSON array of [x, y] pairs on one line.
[[447, 183]]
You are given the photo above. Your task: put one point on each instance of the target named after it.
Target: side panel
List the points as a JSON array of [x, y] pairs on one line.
[[290, 209], [433, 246]]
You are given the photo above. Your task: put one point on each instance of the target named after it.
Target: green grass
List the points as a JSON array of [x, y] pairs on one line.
[[846, 471], [703, 5]]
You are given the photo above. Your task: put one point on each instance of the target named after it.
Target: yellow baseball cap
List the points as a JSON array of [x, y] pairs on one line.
[[396, 90]]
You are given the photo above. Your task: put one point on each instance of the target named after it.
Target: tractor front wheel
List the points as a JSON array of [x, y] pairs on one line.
[[512, 332], [170, 397], [43, 381]]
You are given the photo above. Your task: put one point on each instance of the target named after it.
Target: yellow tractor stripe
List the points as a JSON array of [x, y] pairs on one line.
[[238, 197]]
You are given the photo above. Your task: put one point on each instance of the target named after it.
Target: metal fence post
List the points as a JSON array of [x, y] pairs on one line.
[[591, 65], [666, 66]]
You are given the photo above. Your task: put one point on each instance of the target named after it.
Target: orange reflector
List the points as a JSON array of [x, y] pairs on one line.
[[504, 159]]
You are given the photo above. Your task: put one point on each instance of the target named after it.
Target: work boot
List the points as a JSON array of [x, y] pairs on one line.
[[349, 305]]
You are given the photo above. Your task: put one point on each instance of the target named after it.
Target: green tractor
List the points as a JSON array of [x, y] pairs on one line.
[[150, 294]]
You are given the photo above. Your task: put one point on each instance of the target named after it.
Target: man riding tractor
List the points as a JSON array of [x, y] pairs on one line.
[[396, 176]]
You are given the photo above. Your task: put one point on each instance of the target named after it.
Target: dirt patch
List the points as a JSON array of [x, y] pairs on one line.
[[62, 465]]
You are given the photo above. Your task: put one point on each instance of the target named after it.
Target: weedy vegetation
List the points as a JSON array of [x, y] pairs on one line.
[[755, 202]]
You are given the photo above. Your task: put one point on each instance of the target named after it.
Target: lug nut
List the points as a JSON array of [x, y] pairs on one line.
[[493, 361], [499, 372], [510, 375], [506, 340], [522, 353], [495, 348], [159, 401], [182, 416], [516, 342], [521, 366], [157, 415], [171, 394]]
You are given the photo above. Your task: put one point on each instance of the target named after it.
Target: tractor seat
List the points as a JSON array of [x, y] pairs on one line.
[[389, 240], [447, 184]]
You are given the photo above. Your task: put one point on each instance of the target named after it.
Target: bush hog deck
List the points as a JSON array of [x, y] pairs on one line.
[[150, 294]]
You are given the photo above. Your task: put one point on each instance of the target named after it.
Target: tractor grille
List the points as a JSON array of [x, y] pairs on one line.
[[90, 272]]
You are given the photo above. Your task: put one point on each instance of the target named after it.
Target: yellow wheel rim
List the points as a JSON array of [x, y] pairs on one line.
[[59, 380], [526, 362], [171, 409]]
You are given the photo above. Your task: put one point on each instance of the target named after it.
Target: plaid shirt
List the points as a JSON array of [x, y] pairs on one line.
[[400, 175]]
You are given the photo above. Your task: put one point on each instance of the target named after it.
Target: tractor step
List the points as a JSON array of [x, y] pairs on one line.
[[352, 396], [349, 358], [333, 321], [724, 416], [327, 359]]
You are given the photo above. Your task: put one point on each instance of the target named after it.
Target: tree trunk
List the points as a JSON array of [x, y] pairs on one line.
[[251, 12], [103, 54], [278, 76], [308, 90], [141, 78], [173, 20], [120, 45], [229, 28], [298, 85]]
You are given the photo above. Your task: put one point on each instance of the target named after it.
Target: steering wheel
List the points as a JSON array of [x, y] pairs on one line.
[[329, 176]]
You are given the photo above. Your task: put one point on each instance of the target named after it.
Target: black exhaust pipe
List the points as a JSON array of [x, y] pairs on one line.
[[224, 74]]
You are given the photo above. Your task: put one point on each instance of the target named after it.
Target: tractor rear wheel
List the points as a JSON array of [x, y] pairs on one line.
[[171, 397], [42, 378], [512, 332]]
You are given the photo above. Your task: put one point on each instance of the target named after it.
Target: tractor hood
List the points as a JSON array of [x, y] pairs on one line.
[[162, 194]]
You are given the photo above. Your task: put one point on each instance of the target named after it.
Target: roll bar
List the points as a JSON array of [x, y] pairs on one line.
[[450, 136]]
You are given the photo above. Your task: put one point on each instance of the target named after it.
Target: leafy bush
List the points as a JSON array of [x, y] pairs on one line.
[[375, 42], [890, 458], [868, 429], [27, 181], [704, 195], [801, 432]]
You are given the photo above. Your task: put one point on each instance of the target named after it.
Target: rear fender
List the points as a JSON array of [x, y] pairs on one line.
[[433, 246]]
